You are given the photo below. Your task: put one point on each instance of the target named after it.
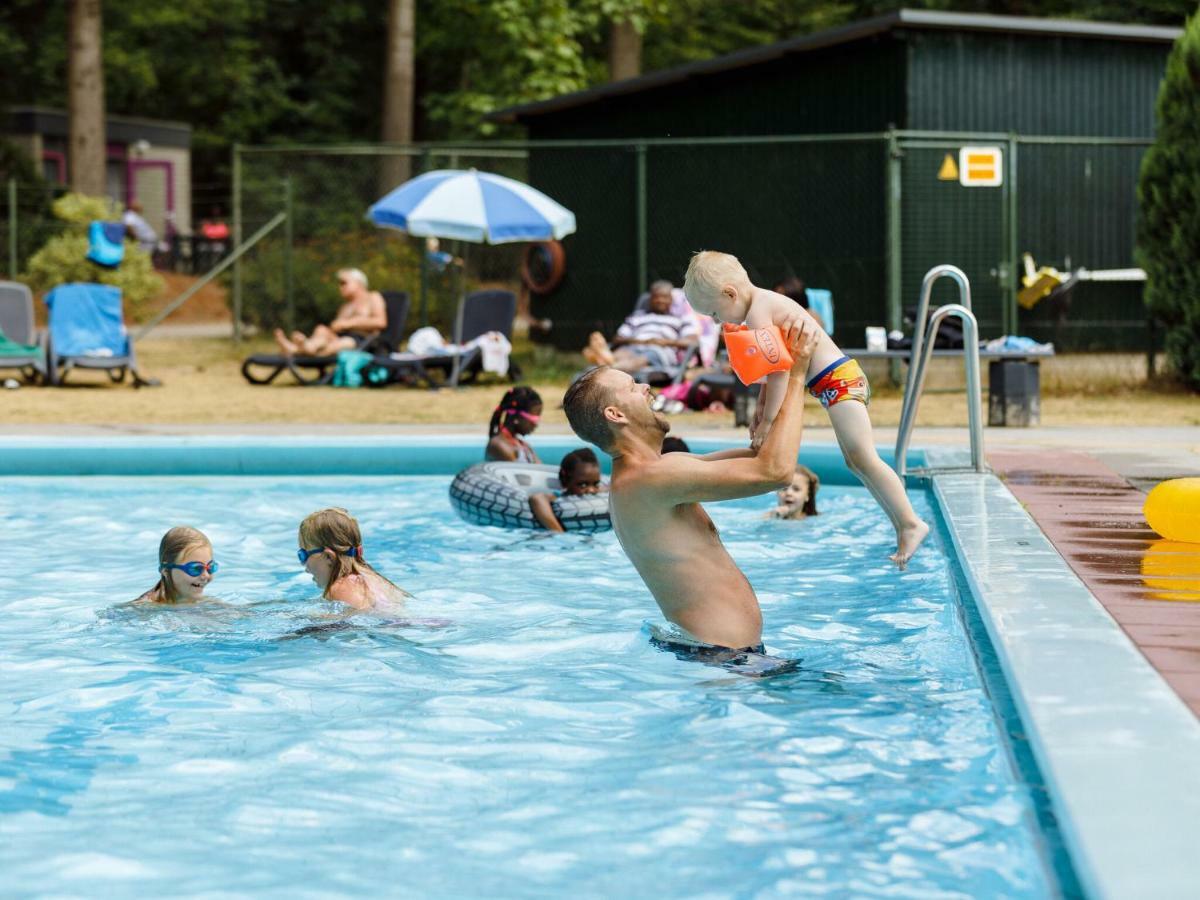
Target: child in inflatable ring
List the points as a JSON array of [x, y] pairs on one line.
[[579, 475]]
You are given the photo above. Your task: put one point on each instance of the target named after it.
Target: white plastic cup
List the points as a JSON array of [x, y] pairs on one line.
[[876, 338]]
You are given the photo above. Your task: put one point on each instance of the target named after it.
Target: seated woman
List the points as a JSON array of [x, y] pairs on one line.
[[362, 316]]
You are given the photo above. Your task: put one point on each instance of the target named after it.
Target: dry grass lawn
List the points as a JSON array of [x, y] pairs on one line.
[[202, 385]]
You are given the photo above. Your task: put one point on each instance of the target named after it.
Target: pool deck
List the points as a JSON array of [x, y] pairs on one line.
[[1093, 516]]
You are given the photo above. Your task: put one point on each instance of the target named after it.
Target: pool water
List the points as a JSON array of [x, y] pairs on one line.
[[520, 737]]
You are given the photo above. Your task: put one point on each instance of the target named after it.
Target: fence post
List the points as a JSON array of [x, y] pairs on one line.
[[288, 274], [895, 310], [422, 255], [12, 228], [237, 242], [640, 225], [1011, 311]]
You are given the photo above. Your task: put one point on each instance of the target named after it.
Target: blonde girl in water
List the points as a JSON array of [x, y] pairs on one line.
[[185, 567], [331, 550]]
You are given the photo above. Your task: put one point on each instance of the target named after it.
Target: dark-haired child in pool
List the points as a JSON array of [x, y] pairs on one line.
[[517, 415], [185, 567], [579, 475]]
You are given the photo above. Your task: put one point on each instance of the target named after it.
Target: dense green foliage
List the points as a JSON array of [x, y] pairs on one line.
[[1169, 191], [264, 71], [63, 258]]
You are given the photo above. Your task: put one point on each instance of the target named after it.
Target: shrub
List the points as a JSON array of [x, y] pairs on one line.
[[1169, 194], [63, 258]]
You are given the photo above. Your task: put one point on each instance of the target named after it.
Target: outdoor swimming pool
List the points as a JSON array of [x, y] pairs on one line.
[[527, 742]]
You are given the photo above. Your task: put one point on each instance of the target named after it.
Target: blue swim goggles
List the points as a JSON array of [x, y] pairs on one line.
[[195, 568], [303, 554]]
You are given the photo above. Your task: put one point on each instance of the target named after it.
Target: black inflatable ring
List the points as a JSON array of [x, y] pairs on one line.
[[543, 266]]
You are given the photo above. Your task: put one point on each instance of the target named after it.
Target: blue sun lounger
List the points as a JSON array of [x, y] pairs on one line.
[[87, 331]]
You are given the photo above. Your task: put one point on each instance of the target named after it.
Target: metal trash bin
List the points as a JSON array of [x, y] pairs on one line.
[[1014, 392]]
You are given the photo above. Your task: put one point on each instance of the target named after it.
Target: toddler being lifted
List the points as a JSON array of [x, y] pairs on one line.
[[717, 285]]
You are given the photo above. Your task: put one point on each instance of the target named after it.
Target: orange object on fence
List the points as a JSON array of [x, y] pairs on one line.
[[754, 353]]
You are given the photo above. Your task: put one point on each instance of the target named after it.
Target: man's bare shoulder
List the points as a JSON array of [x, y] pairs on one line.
[[663, 473]]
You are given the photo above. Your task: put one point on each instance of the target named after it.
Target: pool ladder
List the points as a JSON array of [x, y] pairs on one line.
[[922, 349]]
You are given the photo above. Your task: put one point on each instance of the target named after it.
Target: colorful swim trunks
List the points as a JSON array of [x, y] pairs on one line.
[[841, 380]]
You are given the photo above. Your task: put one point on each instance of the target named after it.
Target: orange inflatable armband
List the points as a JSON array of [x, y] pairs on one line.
[[754, 353]]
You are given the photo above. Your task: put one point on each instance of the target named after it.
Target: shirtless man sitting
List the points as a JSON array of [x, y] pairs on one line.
[[362, 316], [655, 498]]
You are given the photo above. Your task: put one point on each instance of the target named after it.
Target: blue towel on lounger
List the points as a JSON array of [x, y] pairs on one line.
[[86, 320]]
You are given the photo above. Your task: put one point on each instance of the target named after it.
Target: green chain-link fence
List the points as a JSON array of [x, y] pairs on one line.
[[26, 224], [862, 215]]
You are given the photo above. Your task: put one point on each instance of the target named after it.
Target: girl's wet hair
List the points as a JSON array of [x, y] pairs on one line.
[[573, 460], [517, 400], [335, 529], [810, 505], [173, 545]]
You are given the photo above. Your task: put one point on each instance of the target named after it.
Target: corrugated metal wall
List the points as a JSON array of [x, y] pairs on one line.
[[810, 209], [1032, 84]]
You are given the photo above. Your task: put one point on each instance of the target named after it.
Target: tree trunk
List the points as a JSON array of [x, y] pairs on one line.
[[398, 92], [85, 99], [624, 51]]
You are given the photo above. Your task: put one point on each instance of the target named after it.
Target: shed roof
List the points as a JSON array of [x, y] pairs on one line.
[[894, 21], [53, 122]]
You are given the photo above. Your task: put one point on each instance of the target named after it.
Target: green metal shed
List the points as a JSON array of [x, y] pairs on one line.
[[826, 157]]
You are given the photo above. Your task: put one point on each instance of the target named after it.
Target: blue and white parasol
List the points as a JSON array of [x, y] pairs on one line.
[[472, 206]]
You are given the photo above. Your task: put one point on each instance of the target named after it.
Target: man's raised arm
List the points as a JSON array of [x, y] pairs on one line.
[[689, 479]]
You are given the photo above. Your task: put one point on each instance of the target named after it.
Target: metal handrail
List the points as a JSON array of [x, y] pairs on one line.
[[922, 351], [964, 297]]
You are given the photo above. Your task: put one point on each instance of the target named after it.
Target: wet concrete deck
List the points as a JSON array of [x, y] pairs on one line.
[[1093, 516]]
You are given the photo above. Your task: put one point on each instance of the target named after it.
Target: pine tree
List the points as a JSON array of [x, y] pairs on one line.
[[1169, 194]]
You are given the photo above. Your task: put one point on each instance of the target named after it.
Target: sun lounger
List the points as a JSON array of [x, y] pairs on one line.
[[19, 346], [263, 368], [87, 331], [478, 313]]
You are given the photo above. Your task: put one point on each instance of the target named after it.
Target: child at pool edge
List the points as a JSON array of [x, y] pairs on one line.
[[717, 285], [332, 553], [799, 499], [517, 415], [579, 475], [185, 567]]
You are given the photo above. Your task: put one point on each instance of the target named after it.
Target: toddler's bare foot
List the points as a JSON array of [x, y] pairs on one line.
[[590, 355], [298, 338], [908, 540], [288, 348]]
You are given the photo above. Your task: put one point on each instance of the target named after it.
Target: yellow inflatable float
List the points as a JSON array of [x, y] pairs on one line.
[[1171, 569], [1173, 509]]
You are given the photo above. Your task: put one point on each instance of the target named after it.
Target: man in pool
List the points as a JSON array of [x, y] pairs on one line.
[[655, 497]]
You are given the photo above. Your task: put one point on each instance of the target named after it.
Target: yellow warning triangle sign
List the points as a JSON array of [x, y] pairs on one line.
[[949, 169]]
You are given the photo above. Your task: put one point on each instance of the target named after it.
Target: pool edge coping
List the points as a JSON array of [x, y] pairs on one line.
[[1117, 747]]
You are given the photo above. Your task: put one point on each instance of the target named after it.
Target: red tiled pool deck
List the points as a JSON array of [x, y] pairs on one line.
[[1093, 516]]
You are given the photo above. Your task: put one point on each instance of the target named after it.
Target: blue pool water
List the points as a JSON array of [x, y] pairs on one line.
[[533, 745]]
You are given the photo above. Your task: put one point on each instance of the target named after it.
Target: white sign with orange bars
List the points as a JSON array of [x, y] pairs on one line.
[[980, 166]]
